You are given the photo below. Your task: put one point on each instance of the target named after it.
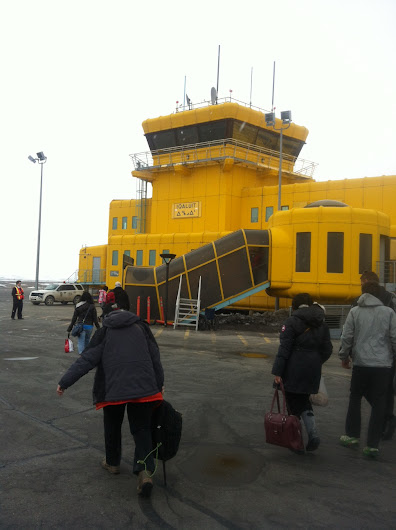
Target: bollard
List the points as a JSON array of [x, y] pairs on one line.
[[162, 313], [138, 306], [162, 309]]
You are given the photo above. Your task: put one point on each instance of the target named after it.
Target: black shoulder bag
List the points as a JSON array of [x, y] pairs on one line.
[[78, 328]]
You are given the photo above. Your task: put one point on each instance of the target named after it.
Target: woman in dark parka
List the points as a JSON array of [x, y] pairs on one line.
[[304, 346]]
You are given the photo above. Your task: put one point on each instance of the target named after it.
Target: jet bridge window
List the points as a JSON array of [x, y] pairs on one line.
[[365, 252], [303, 251], [335, 252]]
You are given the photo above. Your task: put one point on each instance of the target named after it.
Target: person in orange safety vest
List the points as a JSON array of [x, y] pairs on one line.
[[17, 297]]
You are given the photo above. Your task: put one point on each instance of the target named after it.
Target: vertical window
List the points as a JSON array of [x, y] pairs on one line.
[[335, 252], [365, 252], [303, 251], [115, 223], [127, 252], [268, 212], [134, 222], [152, 256], [284, 207], [114, 257], [254, 215], [139, 257], [124, 223]]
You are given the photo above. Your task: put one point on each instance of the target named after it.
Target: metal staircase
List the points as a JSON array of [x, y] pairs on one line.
[[187, 310], [141, 206]]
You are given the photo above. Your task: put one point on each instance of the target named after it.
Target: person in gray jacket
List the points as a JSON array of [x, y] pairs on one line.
[[129, 376], [369, 340]]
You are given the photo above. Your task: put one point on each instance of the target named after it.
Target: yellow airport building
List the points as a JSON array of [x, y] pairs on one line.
[[239, 238]]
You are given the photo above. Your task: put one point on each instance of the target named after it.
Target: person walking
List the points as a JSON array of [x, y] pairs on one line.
[[369, 340], [129, 376], [304, 346], [121, 297], [388, 299], [102, 299], [85, 312], [102, 296], [17, 300]]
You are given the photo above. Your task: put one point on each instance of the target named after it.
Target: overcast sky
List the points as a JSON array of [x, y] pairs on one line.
[[79, 77]]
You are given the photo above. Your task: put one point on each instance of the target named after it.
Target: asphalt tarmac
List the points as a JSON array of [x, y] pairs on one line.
[[224, 475]]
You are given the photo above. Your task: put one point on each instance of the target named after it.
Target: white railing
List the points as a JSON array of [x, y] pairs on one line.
[[206, 103], [386, 271], [218, 150]]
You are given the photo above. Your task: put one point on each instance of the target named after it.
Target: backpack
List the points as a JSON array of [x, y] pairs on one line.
[[166, 429]]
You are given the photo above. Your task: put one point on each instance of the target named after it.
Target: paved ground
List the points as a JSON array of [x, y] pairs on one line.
[[224, 476]]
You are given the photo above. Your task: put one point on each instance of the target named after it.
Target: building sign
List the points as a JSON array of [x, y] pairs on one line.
[[185, 210], [114, 273]]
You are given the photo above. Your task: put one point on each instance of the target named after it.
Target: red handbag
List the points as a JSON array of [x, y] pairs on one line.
[[282, 428]]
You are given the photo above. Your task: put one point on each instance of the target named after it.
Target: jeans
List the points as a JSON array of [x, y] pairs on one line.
[[84, 338], [139, 417], [371, 383]]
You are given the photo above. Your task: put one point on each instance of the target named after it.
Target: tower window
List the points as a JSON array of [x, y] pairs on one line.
[[124, 223], [115, 223], [254, 215], [139, 257], [268, 212], [152, 256], [134, 222], [114, 257]]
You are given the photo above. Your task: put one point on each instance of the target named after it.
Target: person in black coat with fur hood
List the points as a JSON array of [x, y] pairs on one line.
[[304, 346]]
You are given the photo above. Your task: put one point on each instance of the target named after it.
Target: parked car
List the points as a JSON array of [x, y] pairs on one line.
[[57, 292]]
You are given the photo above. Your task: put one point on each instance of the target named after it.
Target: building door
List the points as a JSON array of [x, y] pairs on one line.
[[96, 270]]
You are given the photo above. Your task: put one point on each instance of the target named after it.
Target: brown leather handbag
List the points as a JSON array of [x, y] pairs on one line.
[[282, 428]]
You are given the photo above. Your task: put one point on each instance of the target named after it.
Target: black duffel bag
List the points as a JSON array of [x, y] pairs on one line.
[[166, 429]]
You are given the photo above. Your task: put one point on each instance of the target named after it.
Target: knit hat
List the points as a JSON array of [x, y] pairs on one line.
[[117, 284]]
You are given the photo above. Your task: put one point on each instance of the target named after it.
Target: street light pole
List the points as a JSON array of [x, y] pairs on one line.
[[280, 170], [41, 159], [270, 122], [167, 259]]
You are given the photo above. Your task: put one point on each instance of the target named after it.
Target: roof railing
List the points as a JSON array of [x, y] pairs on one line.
[[180, 107]]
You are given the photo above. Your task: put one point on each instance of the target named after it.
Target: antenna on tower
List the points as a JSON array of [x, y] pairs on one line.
[[273, 88], [251, 85], [218, 71], [184, 98]]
